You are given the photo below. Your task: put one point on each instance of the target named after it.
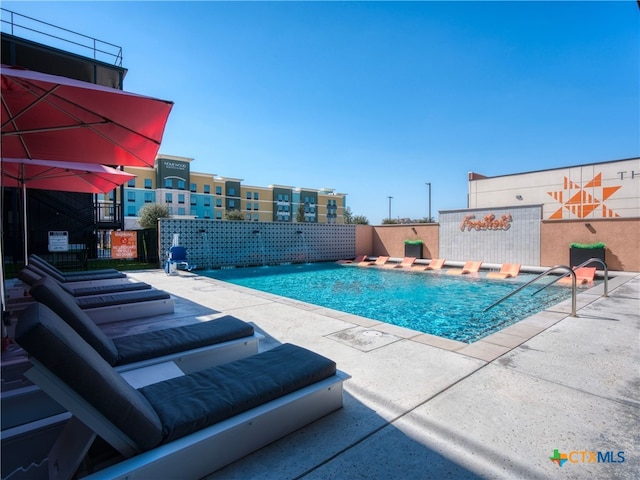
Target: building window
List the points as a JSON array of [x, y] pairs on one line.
[[180, 184], [181, 211], [207, 189], [181, 198], [248, 195], [132, 183], [219, 202], [170, 210], [168, 197], [193, 211], [193, 200], [248, 217], [232, 204], [147, 183], [256, 196], [112, 195], [255, 205], [248, 205], [219, 214], [192, 187], [131, 196], [286, 197], [256, 217], [148, 197], [207, 214], [207, 201], [168, 183], [131, 211], [218, 190]]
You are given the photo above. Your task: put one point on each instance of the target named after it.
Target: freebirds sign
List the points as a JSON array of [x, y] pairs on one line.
[[488, 222]]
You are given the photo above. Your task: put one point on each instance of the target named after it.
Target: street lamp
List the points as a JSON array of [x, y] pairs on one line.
[[429, 185], [389, 207]]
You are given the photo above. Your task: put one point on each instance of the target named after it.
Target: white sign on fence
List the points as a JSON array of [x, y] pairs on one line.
[[58, 241]]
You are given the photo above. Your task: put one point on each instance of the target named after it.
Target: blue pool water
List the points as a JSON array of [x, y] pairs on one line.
[[429, 302]]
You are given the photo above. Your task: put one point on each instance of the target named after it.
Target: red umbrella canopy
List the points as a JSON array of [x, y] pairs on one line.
[[47, 117], [61, 176]]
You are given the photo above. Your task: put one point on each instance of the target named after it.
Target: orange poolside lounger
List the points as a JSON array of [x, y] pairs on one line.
[[358, 259], [407, 262], [434, 264], [469, 267], [381, 260], [508, 270], [583, 275]]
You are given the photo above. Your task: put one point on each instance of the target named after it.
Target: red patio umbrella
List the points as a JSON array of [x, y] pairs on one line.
[[47, 117]]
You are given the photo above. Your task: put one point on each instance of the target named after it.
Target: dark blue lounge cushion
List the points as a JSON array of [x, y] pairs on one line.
[[74, 276], [101, 289], [62, 351], [122, 298], [190, 403], [135, 348], [49, 293]]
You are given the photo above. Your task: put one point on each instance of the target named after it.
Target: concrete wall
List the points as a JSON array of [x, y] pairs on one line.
[[389, 239], [497, 235], [621, 237], [218, 243]]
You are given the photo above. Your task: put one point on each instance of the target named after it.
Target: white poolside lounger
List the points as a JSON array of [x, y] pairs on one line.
[[110, 307], [190, 347], [184, 427]]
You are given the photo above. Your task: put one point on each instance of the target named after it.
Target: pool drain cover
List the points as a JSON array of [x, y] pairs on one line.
[[372, 333]]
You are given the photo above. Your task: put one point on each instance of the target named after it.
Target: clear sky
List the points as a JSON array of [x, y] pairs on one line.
[[375, 99]]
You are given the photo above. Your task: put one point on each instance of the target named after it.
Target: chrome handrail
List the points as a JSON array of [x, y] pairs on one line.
[[544, 274], [591, 260]]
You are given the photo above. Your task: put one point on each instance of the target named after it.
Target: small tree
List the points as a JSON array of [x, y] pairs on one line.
[[300, 214], [360, 220], [149, 215], [390, 221], [233, 215], [347, 215]]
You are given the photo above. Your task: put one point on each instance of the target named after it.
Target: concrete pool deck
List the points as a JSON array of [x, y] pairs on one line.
[[419, 406]]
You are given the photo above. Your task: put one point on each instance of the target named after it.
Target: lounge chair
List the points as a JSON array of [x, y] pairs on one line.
[[177, 259], [378, 262], [469, 267], [584, 275], [186, 426], [507, 270], [406, 262], [103, 274], [110, 307], [191, 347], [358, 259], [434, 264], [30, 275]]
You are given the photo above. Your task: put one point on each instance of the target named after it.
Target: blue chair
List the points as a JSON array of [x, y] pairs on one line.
[[177, 259]]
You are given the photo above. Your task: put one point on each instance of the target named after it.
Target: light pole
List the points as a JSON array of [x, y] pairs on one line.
[[429, 185], [389, 207]]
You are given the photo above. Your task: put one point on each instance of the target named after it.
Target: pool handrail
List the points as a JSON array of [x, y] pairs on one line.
[[599, 260], [569, 271]]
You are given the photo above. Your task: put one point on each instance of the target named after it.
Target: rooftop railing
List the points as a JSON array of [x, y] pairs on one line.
[[29, 28]]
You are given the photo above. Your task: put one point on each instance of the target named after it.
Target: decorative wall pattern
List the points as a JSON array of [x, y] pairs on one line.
[[579, 201], [219, 243], [497, 235]]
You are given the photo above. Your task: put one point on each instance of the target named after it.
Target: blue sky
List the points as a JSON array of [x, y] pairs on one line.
[[374, 99]]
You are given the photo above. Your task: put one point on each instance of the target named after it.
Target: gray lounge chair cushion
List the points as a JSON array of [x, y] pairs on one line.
[[33, 258], [142, 346], [190, 403], [135, 348], [49, 293], [123, 298], [63, 352]]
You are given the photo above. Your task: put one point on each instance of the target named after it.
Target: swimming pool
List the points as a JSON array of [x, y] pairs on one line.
[[429, 302]]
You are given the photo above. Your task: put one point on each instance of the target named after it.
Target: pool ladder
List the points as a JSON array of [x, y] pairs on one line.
[[569, 271]]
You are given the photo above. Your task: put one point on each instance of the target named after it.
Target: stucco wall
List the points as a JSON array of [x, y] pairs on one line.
[[621, 237], [389, 239]]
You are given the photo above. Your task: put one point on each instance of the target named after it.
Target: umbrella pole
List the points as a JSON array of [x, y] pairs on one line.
[[24, 222]]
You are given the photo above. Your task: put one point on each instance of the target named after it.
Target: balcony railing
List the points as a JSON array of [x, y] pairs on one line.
[[29, 28]]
